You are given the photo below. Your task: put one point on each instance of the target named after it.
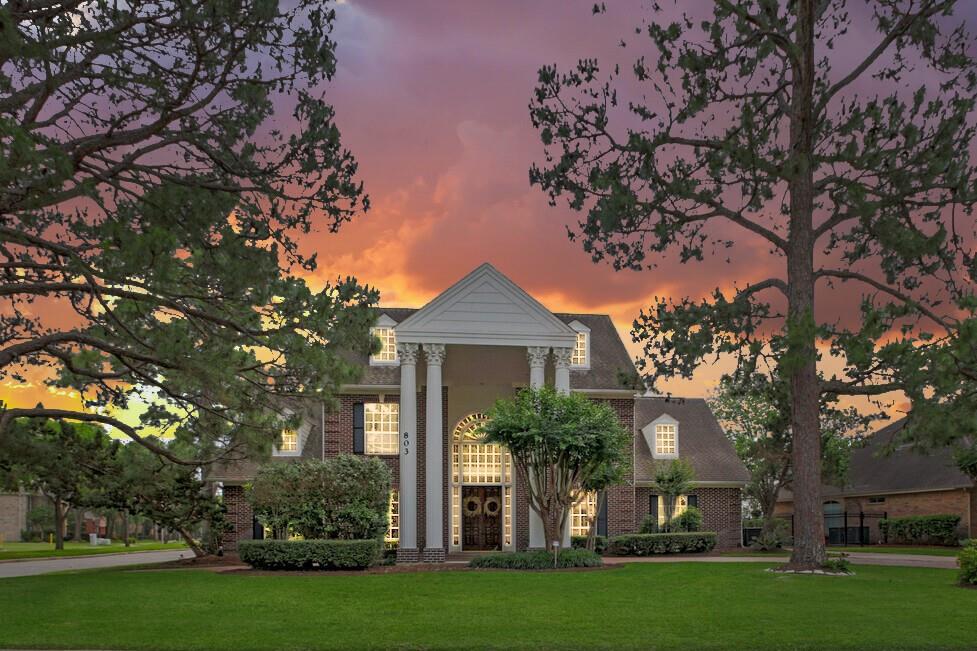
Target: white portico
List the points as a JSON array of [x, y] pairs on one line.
[[484, 309]]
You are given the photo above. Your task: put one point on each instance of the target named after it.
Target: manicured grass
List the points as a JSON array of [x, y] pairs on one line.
[[664, 606], [16, 550], [885, 549]]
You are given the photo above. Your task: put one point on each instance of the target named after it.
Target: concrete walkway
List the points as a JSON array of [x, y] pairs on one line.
[[45, 565], [857, 558]]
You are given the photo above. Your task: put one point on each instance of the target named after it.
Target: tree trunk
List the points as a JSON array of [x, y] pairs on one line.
[[592, 530], [194, 546], [801, 354], [125, 527], [58, 523]]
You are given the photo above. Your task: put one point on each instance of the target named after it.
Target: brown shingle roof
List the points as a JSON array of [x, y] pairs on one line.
[[702, 441], [906, 469]]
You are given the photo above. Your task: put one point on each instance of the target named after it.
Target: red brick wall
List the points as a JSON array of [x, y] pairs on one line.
[[957, 502], [239, 516], [721, 512]]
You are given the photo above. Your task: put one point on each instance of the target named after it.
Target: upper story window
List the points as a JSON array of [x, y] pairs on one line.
[[383, 330], [581, 347], [289, 443], [666, 440], [381, 427]]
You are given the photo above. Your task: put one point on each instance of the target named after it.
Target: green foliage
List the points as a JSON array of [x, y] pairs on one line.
[[562, 444], [310, 554], [649, 524], [922, 529], [839, 564], [344, 497], [689, 520], [162, 230], [967, 560], [650, 544], [40, 521], [537, 560], [673, 478], [580, 542]]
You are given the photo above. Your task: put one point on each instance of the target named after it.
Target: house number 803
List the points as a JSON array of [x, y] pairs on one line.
[[406, 443]]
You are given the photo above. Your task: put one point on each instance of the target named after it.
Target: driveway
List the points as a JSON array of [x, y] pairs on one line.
[[857, 558], [43, 566]]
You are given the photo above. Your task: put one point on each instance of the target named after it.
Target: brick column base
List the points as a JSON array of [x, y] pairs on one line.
[[408, 555], [435, 555]]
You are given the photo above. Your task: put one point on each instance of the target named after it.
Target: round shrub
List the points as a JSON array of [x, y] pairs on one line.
[[537, 560], [689, 520], [967, 560]]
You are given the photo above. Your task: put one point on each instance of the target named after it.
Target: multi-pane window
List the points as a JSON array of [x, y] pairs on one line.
[[388, 345], [381, 423], [393, 517], [666, 439], [290, 441], [582, 513], [481, 463], [579, 357], [681, 504]]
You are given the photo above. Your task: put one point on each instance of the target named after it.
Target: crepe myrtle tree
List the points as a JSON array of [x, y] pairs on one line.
[[151, 205], [755, 414], [559, 444], [837, 139]]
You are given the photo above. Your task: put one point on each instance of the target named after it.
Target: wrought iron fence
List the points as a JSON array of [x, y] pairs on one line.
[[841, 529]]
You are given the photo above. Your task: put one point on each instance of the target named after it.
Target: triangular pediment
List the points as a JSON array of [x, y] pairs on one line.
[[485, 307]]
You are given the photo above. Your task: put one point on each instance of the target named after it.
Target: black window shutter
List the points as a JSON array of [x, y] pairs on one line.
[[358, 428], [694, 500], [257, 530], [602, 520], [653, 506]]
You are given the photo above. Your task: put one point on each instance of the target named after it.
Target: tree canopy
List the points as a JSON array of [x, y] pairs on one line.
[[835, 139], [151, 206]]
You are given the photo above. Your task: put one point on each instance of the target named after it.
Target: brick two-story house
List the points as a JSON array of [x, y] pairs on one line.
[[423, 396]]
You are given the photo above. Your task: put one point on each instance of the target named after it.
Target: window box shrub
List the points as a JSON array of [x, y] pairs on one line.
[[310, 554], [967, 560], [537, 560], [580, 542], [649, 544], [922, 530]]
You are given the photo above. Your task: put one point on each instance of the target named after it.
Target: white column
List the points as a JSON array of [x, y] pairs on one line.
[[561, 359], [434, 457], [408, 452], [537, 374]]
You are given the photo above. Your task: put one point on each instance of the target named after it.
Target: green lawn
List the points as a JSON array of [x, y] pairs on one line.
[[665, 606], [885, 549], [15, 550]]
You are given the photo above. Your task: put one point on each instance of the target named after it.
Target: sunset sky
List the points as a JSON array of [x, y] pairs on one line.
[[432, 99]]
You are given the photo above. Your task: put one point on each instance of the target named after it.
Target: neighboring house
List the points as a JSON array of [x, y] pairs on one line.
[[13, 515], [905, 481], [423, 396]]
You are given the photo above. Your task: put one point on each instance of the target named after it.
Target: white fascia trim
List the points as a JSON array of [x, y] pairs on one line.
[[697, 484], [607, 393], [369, 388], [497, 339], [578, 328]]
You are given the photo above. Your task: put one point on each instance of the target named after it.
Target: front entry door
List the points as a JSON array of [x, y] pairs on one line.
[[481, 522]]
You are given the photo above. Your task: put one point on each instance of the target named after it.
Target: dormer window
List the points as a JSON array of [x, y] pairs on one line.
[[581, 348], [666, 440], [661, 435], [384, 331], [289, 443]]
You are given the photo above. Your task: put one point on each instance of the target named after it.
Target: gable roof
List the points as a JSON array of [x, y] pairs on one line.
[[872, 470], [485, 308], [701, 441]]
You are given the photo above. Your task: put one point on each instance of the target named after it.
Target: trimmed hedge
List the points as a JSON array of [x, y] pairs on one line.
[[649, 544], [536, 560], [967, 560], [310, 554], [580, 542], [922, 530]]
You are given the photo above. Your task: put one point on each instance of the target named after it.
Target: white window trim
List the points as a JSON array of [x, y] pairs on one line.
[[299, 440], [384, 322], [385, 406], [651, 436], [580, 328]]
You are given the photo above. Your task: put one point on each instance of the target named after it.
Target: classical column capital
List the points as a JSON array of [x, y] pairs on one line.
[[434, 353], [562, 357], [407, 353], [537, 355]]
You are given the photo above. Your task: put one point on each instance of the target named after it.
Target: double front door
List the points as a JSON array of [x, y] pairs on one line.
[[481, 521]]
